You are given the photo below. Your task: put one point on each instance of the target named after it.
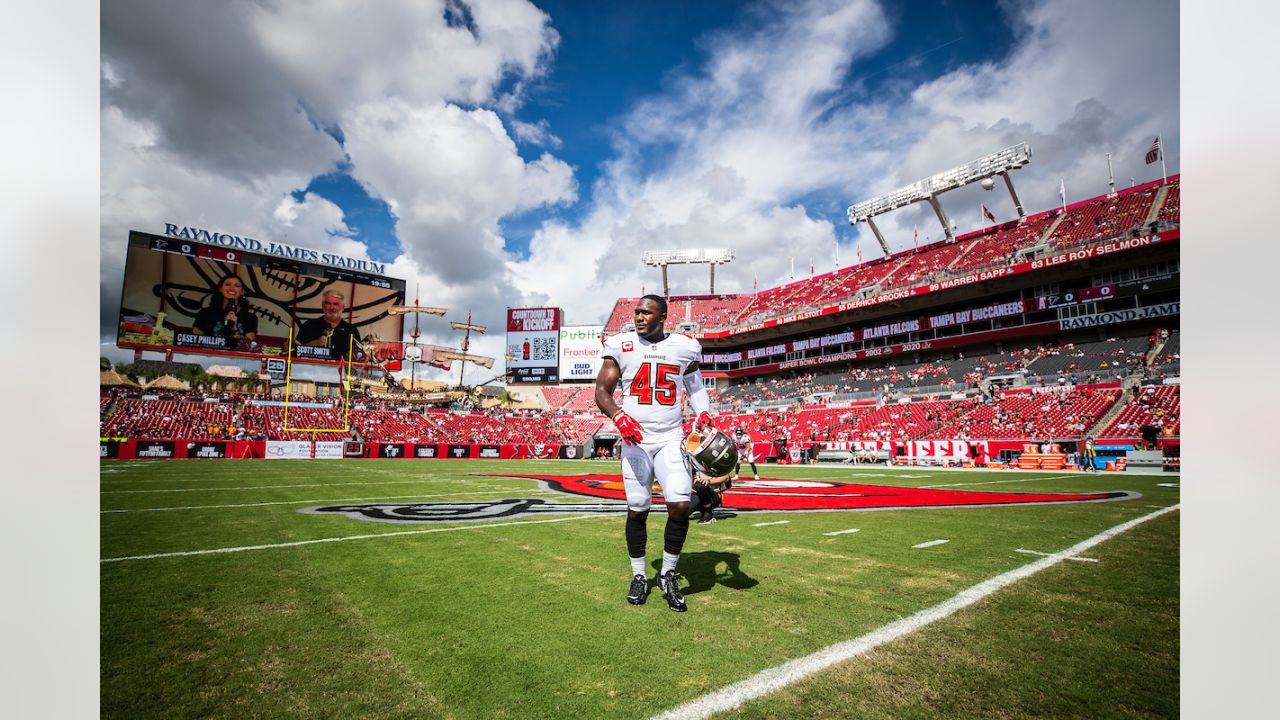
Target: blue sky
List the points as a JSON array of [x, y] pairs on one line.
[[508, 153]]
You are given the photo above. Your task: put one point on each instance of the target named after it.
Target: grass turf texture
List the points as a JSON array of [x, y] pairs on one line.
[[530, 620]]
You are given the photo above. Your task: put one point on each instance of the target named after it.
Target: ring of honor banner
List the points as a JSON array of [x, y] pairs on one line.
[[580, 349], [201, 298], [533, 345]]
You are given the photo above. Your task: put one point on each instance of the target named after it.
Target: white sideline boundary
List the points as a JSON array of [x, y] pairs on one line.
[[265, 487], [298, 502], [776, 678], [245, 548]]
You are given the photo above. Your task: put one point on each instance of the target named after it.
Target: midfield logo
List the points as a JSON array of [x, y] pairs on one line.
[[766, 494]]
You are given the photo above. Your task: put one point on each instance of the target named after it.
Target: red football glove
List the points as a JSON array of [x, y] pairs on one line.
[[704, 422], [628, 428]]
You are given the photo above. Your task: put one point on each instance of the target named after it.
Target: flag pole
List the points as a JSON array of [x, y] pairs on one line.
[[1164, 172]]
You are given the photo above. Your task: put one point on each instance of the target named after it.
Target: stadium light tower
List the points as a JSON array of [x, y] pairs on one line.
[[707, 256], [929, 189]]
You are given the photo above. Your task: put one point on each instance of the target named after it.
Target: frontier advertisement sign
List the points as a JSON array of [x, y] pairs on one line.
[[580, 352], [533, 345]]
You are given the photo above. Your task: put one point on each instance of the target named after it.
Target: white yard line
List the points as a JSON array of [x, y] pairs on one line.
[[842, 532], [775, 522], [244, 548], [265, 487], [779, 677], [1045, 554], [998, 482], [303, 502], [931, 543]]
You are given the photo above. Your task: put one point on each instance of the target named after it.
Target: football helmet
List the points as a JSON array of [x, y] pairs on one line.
[[713, 454]]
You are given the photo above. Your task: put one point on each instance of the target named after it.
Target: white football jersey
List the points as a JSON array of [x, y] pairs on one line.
[[653, 380]]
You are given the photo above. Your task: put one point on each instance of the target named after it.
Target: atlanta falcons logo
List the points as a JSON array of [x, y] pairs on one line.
[[766, 494]]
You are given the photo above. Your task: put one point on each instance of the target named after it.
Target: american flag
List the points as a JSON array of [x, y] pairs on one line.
[[1153, 152]]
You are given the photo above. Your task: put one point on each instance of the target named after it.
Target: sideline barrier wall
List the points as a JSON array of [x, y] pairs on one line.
[[182, 449]]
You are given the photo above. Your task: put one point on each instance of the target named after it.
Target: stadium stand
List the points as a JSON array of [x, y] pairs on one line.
[[1112, 357], [1033, 415], [1169, 209], [1157, 405], [384, 426], [1166, 358], [924, 265], [998, 245], [1090, 222], [579, 429], [267, 421], [168, 419], [1101, 219]]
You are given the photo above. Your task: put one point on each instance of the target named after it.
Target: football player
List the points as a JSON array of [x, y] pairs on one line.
[[708, 495], [658, 371], [743, 441]]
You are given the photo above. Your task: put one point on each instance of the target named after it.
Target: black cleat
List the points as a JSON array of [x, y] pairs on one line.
[[671, 591], [639, 590], [707, 518]]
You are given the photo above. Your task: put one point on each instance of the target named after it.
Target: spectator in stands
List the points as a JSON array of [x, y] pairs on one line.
[[228, 314], [330, 329], [1149, 434]]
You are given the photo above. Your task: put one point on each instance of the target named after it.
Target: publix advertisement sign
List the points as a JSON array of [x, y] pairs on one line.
[[580, 352]]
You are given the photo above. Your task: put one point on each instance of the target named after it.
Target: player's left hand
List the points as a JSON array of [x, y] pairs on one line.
[[704, 422]]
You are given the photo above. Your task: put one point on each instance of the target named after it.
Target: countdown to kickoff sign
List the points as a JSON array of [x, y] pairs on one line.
[[533, 345]]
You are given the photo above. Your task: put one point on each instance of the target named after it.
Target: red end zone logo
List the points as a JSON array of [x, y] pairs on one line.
[[780, 494], [772, 494]]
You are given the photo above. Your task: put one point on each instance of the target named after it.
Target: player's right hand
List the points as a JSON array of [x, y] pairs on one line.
[[628, 428]]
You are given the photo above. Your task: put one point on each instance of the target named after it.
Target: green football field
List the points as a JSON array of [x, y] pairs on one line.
[[220, 599]]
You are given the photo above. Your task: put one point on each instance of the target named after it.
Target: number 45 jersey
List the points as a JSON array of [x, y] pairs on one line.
[[653, 380]]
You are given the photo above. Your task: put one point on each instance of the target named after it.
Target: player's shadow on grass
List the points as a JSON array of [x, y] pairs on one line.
[[704, 570]]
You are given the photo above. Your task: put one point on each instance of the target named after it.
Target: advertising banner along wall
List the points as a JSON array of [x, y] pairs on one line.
[[580, 352]]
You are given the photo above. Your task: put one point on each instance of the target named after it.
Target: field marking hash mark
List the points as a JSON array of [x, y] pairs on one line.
[[930, 543], [775, 522], [842, 532]]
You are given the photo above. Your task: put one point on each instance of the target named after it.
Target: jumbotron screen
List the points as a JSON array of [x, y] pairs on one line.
[[193, 297]]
